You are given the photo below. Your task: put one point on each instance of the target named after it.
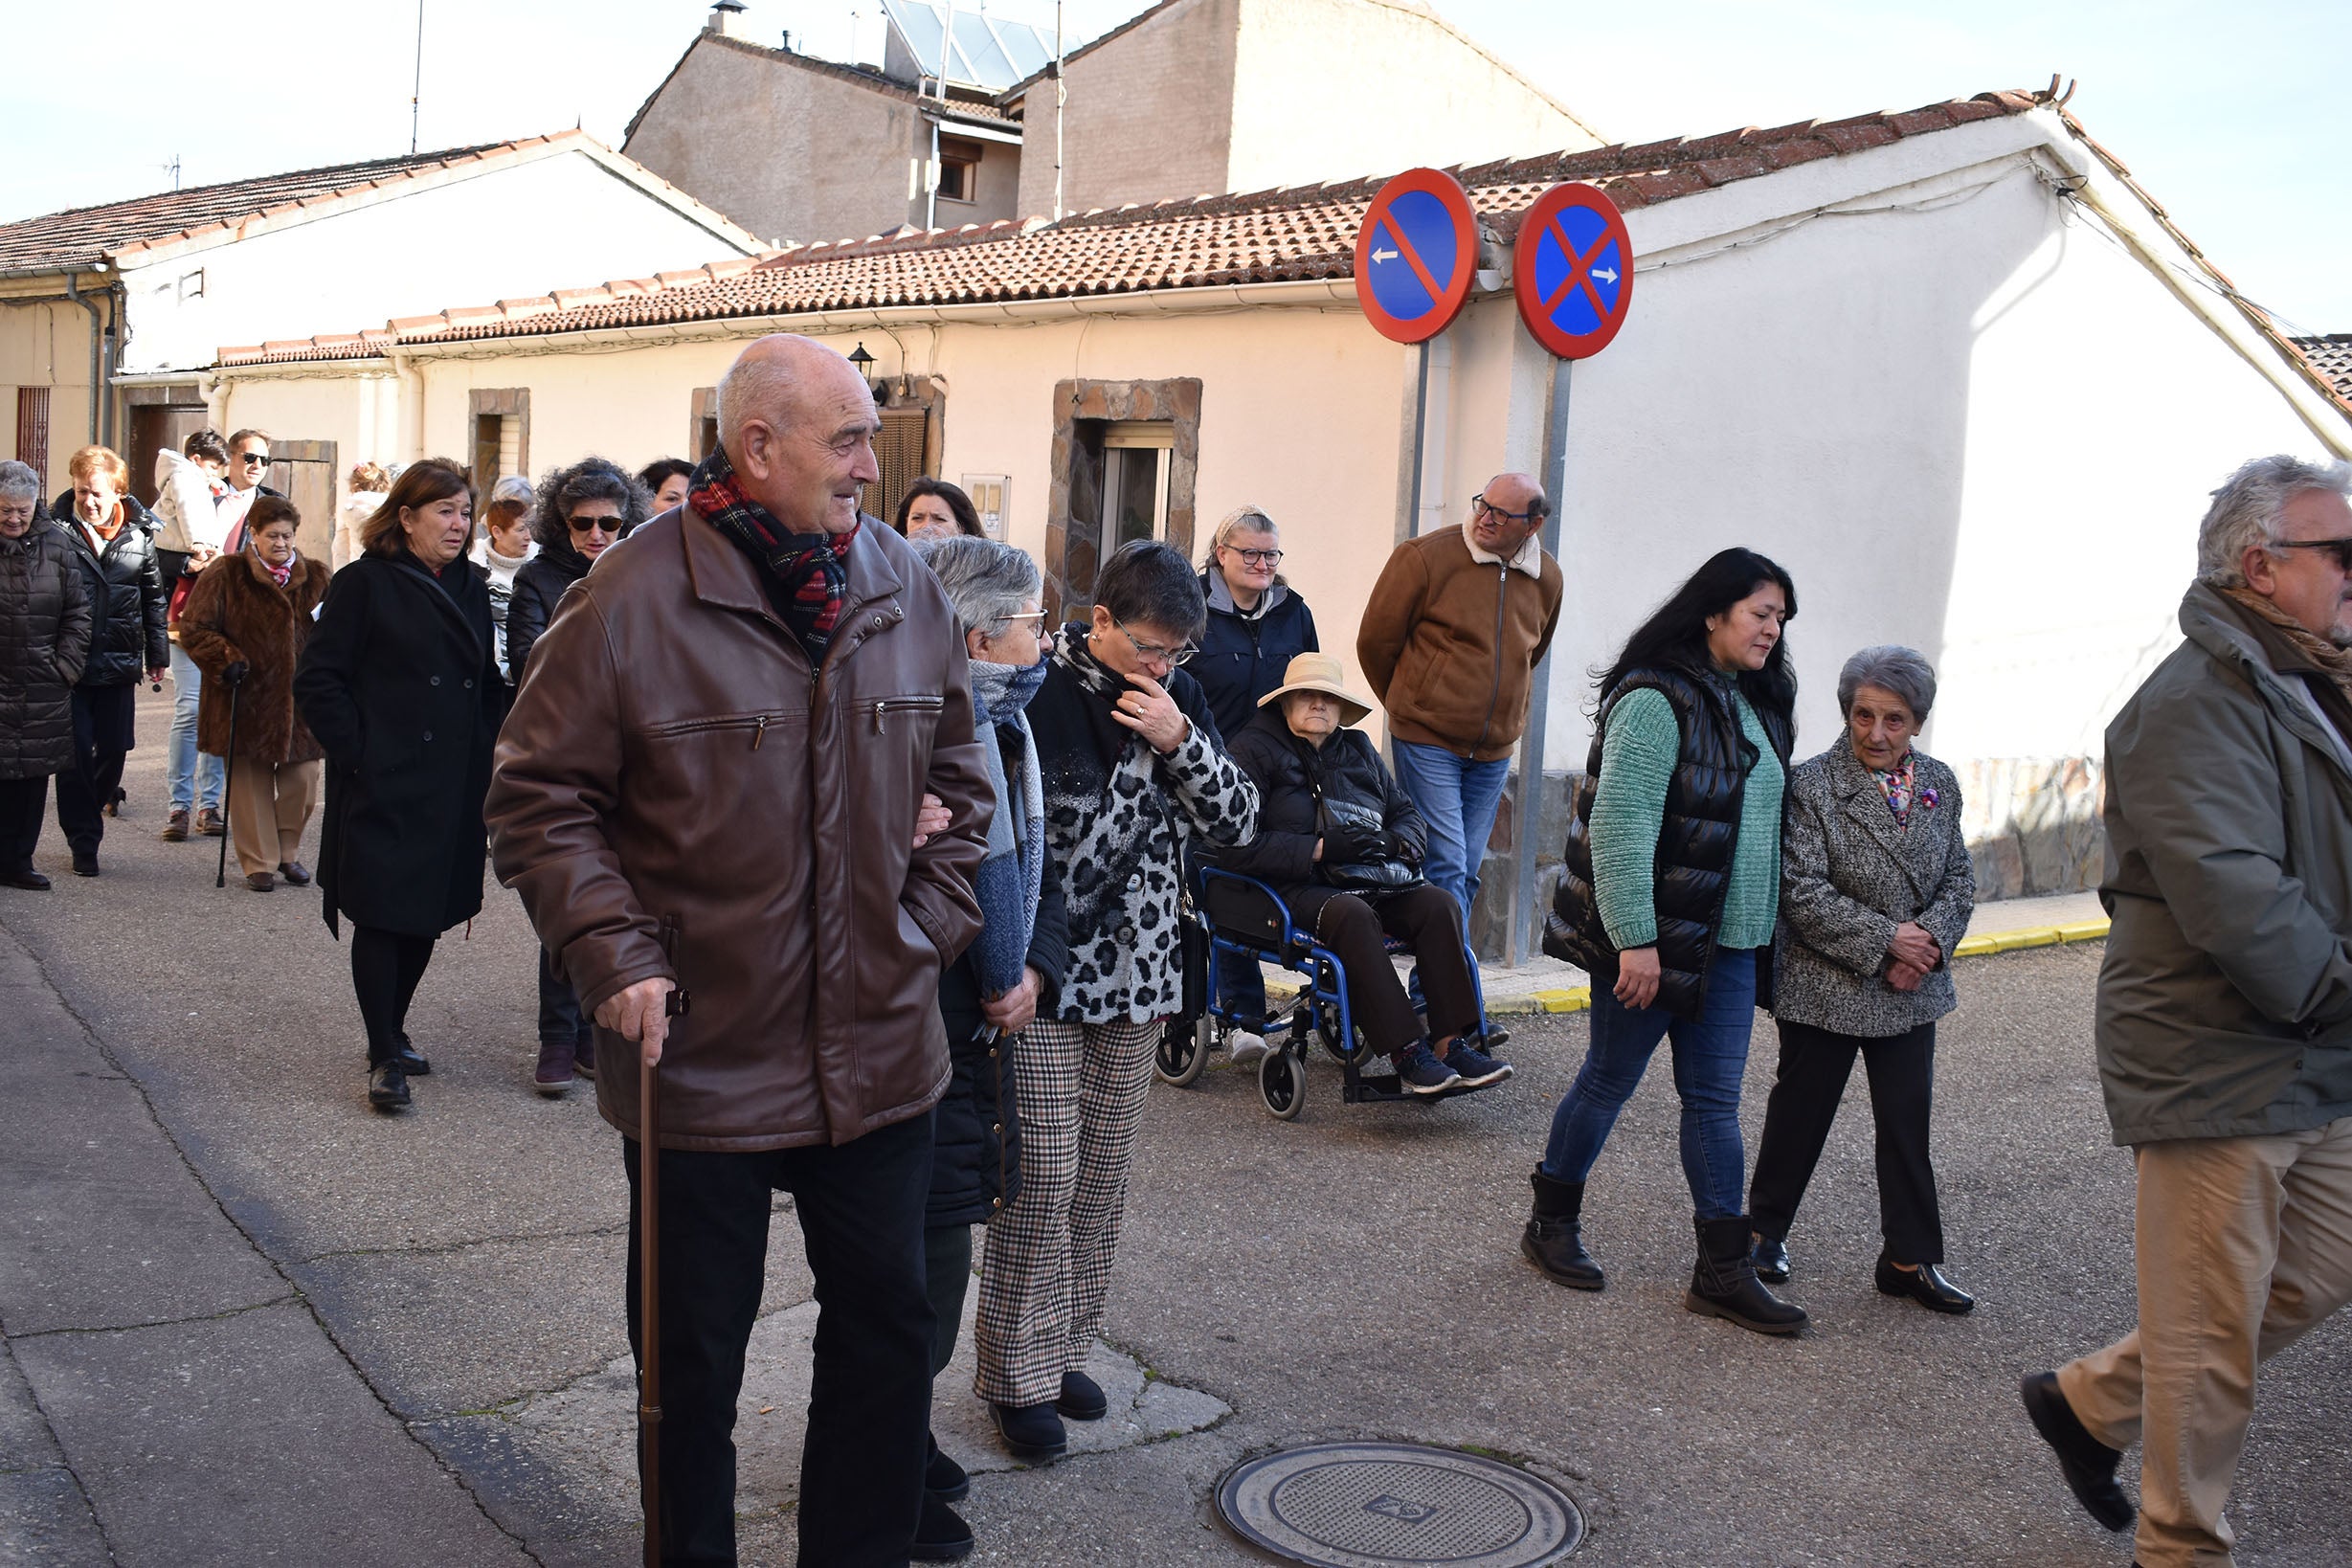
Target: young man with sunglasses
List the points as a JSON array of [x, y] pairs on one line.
[[1449, 642], [2225, 1010]]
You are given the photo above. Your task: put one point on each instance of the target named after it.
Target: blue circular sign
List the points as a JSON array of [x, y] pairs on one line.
[[1573, 270], [1416, 254]]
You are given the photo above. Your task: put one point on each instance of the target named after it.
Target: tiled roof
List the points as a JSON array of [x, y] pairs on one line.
[[85, 235], [2332, 357], [1303, 234], [967, 104]]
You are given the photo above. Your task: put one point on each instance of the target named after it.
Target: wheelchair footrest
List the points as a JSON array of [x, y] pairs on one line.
[[1378, 1089]]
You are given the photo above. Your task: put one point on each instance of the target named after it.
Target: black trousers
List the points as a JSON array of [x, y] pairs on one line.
[[1814, 1067], [947, 1271], [104, 721], [1429, 921], [560, 1022], [862, 1206], [21, 804], [386, 967]]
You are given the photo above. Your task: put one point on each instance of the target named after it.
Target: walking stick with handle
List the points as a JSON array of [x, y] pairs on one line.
[[649, 1263], [235, 675]]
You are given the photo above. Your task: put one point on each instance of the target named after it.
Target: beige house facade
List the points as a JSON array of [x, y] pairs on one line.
[[1856, 346]]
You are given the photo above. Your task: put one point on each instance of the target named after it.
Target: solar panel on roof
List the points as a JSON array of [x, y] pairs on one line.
[[989, 52]]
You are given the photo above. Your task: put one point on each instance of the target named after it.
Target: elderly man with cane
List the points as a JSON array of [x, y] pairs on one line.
[[707, 783], [2225, 1010]]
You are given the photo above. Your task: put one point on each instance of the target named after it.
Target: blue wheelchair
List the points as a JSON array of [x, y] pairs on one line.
[[1232, 914]]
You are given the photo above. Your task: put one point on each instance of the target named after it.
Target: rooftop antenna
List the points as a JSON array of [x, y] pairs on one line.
[[172, 168], [416, 90]]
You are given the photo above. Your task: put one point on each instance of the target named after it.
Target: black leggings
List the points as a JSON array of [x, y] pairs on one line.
[[385, 969]]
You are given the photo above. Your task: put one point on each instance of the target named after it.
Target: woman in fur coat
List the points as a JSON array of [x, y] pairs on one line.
[[245, 624]]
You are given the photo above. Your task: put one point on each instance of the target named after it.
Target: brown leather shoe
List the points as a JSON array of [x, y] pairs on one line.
[[176, 826], [211, 823], [296, 873], [261, 881]]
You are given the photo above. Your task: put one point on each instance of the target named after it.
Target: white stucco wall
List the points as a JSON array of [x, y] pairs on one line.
[[1336, 89], [510, 231]]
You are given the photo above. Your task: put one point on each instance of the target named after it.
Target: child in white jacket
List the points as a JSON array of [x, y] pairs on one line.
[[189, 487]]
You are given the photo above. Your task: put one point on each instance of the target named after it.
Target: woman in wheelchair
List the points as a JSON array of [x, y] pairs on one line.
[[1342, 845]]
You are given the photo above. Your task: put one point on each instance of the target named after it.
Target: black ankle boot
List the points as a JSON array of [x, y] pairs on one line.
[[1554, 1240], [1724, 1284]]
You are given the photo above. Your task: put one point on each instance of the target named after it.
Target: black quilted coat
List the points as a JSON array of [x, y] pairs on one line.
[[1695, 843], [126, 597], [1287, 770], [44, 638]]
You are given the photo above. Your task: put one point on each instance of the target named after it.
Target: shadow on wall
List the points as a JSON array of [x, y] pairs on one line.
[[2032, 825]]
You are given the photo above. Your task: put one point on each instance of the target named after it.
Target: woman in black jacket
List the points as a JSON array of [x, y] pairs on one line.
[[1257, 625], [400, 684], [45, 614], [1341, 845], [114, 544], [583, 512]]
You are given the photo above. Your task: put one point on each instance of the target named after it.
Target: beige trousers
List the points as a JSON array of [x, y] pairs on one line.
[[2244, 1245], [269, 805]]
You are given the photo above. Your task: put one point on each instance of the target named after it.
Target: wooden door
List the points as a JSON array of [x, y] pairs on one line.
[[305, 471], [157, 427]]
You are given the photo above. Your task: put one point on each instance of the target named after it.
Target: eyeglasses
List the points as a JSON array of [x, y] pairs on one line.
[[1257, 557], [1533, 514], [1152, 652], [587, 525], [2343, 548], [254, 460]]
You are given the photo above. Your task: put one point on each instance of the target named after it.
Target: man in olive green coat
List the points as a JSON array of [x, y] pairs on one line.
[[2224, 1009]]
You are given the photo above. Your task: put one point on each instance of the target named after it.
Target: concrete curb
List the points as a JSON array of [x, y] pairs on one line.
[[1576, 999]]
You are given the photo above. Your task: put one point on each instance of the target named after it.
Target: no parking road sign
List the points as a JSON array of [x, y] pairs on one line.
[[1415, 256], [1572, 271]]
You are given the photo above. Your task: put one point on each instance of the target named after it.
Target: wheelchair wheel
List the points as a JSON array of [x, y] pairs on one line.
[[1183, 1050], [1281, 1082]]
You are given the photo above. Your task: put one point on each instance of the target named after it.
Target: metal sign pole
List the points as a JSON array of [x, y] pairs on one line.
[[1527, 810]]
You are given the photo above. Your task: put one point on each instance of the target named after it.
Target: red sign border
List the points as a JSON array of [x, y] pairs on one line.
[[1566, 344], [1448, 190]]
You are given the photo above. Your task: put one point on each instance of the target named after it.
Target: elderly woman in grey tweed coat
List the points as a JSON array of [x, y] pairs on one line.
[[1875, 892]]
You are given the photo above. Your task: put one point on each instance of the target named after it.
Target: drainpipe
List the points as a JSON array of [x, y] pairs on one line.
[[98, 348], [1526, 805], [406, 368], [1431, 456]]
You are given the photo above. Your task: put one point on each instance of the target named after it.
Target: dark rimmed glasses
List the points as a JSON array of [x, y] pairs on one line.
[[1152, 652], [2343, 548], [1533, 514], [1257, 557]]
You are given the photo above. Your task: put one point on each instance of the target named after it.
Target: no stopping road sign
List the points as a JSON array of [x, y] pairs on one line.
[[1573, 270], [1415, 255]]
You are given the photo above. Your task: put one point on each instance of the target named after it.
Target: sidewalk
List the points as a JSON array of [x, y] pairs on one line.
[[1548, 985], [166, 1396]]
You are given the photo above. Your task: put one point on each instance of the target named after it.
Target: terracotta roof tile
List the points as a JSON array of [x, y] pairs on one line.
[[1305, 232], [2332, 357]]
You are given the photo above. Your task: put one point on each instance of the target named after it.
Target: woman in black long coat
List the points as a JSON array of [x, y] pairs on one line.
[[400, 683], [44, 637]]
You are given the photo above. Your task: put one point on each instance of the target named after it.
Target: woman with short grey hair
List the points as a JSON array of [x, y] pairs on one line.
[[1876, 889], [46, 610]]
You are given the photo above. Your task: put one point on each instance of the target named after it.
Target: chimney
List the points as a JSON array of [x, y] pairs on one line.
[[726, 20], [787, 41]]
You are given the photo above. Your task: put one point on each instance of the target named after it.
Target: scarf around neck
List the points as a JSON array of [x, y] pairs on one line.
[[2334, 661], [1010, 880], [806, 576]]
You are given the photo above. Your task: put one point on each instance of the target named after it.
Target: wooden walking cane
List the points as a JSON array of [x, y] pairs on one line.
[[649, 1263], [235, 675]]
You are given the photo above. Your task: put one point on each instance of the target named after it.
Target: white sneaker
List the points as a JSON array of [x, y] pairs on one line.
[[1248, 1050]]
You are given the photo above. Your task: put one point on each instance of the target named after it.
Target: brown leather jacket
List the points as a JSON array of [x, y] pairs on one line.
[[678, 795], [1450, 645]]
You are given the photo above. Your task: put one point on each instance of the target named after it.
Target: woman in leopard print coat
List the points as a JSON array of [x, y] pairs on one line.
[[1133, 772]]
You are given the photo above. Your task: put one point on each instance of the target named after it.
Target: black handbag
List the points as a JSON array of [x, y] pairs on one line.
[[1386, 875]]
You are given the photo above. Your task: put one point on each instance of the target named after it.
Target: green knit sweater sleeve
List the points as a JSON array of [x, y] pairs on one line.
[[1751, 902], [1637, 752]]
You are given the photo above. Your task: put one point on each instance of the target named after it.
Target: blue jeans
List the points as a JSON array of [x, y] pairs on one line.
[[1241, 986], [1458, 798], [189, 771], [1710, 1057]]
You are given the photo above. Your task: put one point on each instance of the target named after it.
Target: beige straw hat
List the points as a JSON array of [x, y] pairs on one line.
[[1320, 672]]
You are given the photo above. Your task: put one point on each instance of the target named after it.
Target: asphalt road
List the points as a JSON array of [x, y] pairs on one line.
[[395, 1302]]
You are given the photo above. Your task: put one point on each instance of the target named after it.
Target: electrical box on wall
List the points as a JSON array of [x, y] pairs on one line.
[[988, 492]]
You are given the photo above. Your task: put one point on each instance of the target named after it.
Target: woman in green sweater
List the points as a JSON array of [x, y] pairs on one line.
[[1671, 887]]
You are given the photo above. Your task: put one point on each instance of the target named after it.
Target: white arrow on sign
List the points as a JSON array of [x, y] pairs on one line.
[[1607, 275], [1384, 256]]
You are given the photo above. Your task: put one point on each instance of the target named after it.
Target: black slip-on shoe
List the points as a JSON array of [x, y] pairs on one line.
[[2088, 1464], [1771, 1260], [388, 1087], [942, 1478], [941, 1536], [1925, 1285], [1032, 1433], [1082, 1398]]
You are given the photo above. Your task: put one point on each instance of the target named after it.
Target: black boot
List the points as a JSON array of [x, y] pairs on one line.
[[1554, 1240], [941, 1536], [1724, 1284]]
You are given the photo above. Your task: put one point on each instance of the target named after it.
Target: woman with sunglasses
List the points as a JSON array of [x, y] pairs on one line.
[[583, 511], [1257, 625], [1133, 773]]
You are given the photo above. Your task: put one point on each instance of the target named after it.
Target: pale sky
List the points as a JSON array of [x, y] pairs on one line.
[[2238, 119]]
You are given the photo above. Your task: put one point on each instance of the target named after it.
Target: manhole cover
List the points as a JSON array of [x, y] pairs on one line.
[[1373, 1505]]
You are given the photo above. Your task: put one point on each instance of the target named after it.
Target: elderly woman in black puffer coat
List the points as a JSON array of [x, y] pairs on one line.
[[45, 617], [583, 512], [1339, 840]]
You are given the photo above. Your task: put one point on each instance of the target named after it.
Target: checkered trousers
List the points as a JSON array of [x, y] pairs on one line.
[[1047, 1264]]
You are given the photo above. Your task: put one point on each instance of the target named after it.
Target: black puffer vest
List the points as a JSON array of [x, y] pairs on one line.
[[1695, 843]]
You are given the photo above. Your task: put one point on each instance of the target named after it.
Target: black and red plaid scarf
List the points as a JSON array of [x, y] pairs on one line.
[[806, 576]]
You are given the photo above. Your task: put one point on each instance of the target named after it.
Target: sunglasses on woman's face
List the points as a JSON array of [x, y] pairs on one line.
[[584, 525]]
